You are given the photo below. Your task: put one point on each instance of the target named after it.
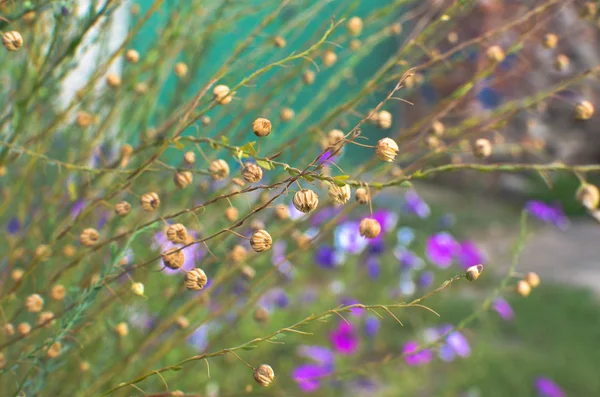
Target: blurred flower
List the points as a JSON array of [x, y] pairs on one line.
[[376, 246], [414, 204], [387, 219], [548, 213], [373, 267], [441, 249], [77, 208], [459, 344], [406, 236], [199, 338], [547, 388], [372, 325], [274, 297], [407, 284], [426, 279], [469, 255], [336, 287], [294, 213], [489, 98], [13, 226], [502, 307], [413, 357], [328, 257], [355, 311], [322, 355], [325, 215], [447, 221], [408, 259], [348, 238], [308, 376], [343, 339]]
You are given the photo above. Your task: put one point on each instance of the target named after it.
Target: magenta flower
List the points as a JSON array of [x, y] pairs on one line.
[[548, 213], [344, 339], [308, 376], [441, 249], [415, 357], [547, 388], [321, 355], [502, 307], [469, 255]]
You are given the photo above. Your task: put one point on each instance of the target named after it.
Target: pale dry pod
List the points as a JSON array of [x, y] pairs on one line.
[[264, 375], [286, 114], [495, 53], [282, 212], [306, 200], [561, 63], [588, 195], [177, 233], [339, 194], [238, 253], [261, 127], [12, 41], [261, 314], [437, 128], [43, 252], [279, 42], [9, 329], [396, 28], [54, 350], [383, 119], [387, 149], [205, 120], [308, 77], [89, 237], [221, 94], [355, 44], [181, 69], [523, 288], [122, 329], [354, 26], [261, 241], [189, 158], [150, 201], [482, 148], [335, 138], [532, 279], [252, 172], [329, 58], [23, 329], [34, 303], [135, 9], [584, 110], [141, 88], [182, 322], [362, 196], [113, 80], [122, 208], [84, 119], [183, 179], [195, 279], [84, 366], [219, 169], [452, 37], [58, 292], [550, 40], [126, 150], [369, 228], [137, 289], [132, 56], [473, 272], [29, 17], [433, 142], [17, 274], [173, 258], [46, 319], [231, 214], [248, 272]]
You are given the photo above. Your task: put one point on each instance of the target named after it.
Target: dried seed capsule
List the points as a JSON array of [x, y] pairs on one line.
[[369, 228], [84, 119], [550, 40], [123, 208], [482, 148], [141, 88], [43, 252], [231, 214], [286, 114], [584, 110], [34, 303], [561, 63], [84, 366], [261, 314], [329, 58], [362, 195], [183, 179], [177, 233], [387, 150], [474, 272], [282, 212], [137, 289], [205, 120], [355, 45], [181, 69], [150, 201], [132, 56], [437, 128], [335, 139], [452, 37], [384, 119], [58, 292], [219, 169], [221, 94], [588, 195], [306, 200], [264, 375], [113, 80], [29, 17], [189, 158], [23, 329], [339, 194], [354, 26], [396, 28], [89, 237], [195, 279], [248, 272], [46, 319], [532, 279], [54, 350], [135, 9], [279, 42], [308, 77], [261, 241], [261, 127], [182, 322], [237, 254], [17, 274], [121, 329], [12, 41], [173, 258], [252, 172], [495, 53], [9, 329], [523, 288]]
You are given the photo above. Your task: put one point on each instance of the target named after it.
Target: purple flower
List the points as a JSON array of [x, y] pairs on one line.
[[343, 339], [13, 226], [548, 213], [547, 388], [373, 267], [459, 344], [348, 238], [321, 355], [294, 213], [408, 259], [502, 307], [325, 215], [414, 204], [441, 249], [469, 255], [426, 279], [355, 311], [387, 219], [328, 157], [413, 357], [406, 236], [376, 246], [275, 297], [372, 326], [308, 376], [407, 284], [77, 208], [199, 338], [327, 257]]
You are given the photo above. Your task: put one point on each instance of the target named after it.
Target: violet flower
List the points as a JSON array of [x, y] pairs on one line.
[[469, 255], [406, 236], [372, 325], [373, 267], [13, 226], [77, 208], [348, 238], [502, 307], [328, 257], [426, 279], [309, 376], [548, 213], [441, 249], [344, 339], [321, 355], [546, 387], [415, 357], [355, 311], [414, 204]]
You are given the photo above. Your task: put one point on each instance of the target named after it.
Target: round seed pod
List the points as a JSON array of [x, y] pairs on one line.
[[532, 279], [369, 228], [23, 329], [137, 289], [308, 77], [43, 252], [474, 272], [339, 194], [264, 375], [248, 272], [17, 274], [396, 28], [12, 41], [150, 201], [182, 322], [584, 110], [189, 158], [181, 69], [84, 119], [387, 150], [141, 88], [46, 319], [329, 58], [8, 329], [231, 214], [437, 128], [89, 237], [355, 44], [306, 200], [54, 350], [252, 172], [561, 63], [452, 37], [173, 258], [588, 195], [132, 56], [237, 254], [177, 233], [69, 250], [523, 288], [122, 329], [279, 42], [195, 279], [183, 179], [113, 80], [34, 303], [123, 208], [261, 127], [550, 40], [58, 292], [219, 169], [29, 17], [261, 315], [282, 212], [256, 225], [335, 139], [362, 195], [286, 114], [84, 366], [495, 53], [221, 94], [354, 26], [383, 119], [261, 241], [482, 148], [205, 120]]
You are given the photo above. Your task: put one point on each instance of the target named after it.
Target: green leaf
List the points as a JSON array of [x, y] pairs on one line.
[[341, 177], [249, 347], [339, 183], [249, 148], [309, 178], [265, 164], [178, 145], [177, 368], [224, 139]]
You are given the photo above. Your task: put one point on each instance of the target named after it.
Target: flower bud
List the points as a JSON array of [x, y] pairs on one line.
[[396, 28], [261, 241], [523, 288], [132, 56], [369, 228], [237, 254], [181, 69], [43, 252], [264, 375], [550, 40], [474, 272], [219, 169], [354, 26], [137, 289], [173, 258], [252, 173], [150, 201], [482, 148], [261, 127], [189, 158], [306, 200], [123, 208], [308, 77], [222, 94], [89, 237], [329, 58], [452, 37], [23, 329], [58, 292], [588, 195], [532, 279], [339, 194], [386, 150], [183, 179], [286, 114], [195, 279], [84, 366], [495, 53], [282, 212], [29, 17], [231, 214], [279, 42], [34, 303], [84, 119], [12, 41], [584, 110], [383, 119], [121, 329], [362, 195]]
